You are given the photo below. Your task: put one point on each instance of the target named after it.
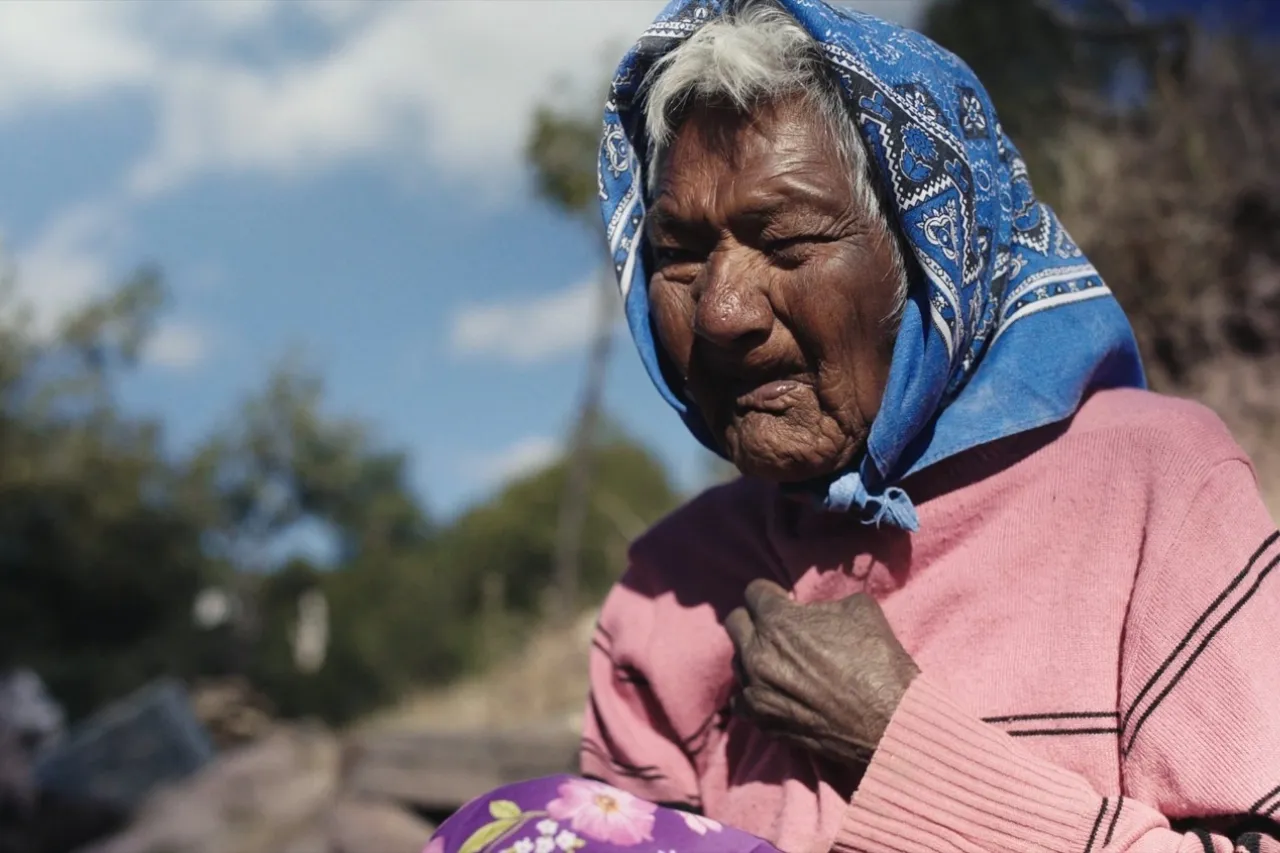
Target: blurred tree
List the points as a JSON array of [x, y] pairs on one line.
[[424, 616], [1045, 62], [1155, 141], [285, 470], [283, 463], [1180, 210], [106, 545], [99, 556], [507, 546], [562, 150]]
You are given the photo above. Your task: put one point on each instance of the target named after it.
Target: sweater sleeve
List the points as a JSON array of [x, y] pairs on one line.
[[1200, 710], [628, 739]]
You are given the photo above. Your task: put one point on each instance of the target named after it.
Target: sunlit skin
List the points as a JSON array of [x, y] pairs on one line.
[[770, 294], [771, 288]]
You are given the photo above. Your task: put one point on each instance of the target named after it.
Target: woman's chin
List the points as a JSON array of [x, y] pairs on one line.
[[787, 449], [783, 464]]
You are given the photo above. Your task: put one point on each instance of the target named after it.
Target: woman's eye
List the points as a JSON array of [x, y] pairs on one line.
[[672, 255], [789, 250], [783, 244]]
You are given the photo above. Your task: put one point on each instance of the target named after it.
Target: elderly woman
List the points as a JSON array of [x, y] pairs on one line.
[[977, 591]]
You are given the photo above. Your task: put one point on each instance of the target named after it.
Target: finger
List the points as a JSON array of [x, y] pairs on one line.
[[766, 708], [763, 596], [804, 741], [739, 670], [742, 631], [746, 703]]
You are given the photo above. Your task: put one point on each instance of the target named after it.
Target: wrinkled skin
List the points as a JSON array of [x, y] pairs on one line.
[[771, 290], [770, 293], [827, 676]]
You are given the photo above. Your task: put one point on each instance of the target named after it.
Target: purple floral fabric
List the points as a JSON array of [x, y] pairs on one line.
[[565, 814]]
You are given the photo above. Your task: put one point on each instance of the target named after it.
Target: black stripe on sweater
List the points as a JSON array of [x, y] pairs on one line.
[[1199, 623], [1261, 806], [697, 741], [1115, 818], [1057, 715], [1101, 730], [1057, 723], [1239, 826], [647, 773], [1199, 650], [626, 673], [630, 771], [1206, 840], [1093, 836]]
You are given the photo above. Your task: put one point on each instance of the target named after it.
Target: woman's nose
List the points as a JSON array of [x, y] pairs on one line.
[[733, 310]]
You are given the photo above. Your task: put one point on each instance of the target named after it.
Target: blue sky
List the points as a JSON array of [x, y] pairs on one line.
[[339, 178], [336, 178]]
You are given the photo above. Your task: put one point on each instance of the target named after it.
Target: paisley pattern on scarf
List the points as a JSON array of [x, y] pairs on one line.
[[1008, 326]]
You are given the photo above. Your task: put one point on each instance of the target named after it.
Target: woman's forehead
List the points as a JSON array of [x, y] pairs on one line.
[[774, 157]]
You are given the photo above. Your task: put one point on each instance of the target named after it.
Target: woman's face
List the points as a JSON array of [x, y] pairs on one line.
[[770, 290]]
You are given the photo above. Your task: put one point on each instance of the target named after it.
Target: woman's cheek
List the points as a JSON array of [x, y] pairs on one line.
[[671, 308]]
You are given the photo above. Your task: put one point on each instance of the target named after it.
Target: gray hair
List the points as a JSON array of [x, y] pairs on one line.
[[757, 53]]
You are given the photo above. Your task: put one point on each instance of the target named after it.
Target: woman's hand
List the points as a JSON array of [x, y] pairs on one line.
[[826, 676]]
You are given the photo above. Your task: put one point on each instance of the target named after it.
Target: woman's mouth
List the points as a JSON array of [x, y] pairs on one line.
[[772, 396]]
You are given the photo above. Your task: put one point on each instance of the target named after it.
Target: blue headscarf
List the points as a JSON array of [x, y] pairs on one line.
[[1008, 326]]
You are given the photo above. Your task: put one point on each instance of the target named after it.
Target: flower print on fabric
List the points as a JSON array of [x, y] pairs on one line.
[[918, 154], [699, 824], [564, 814], [603, 812], [550, 838], [566, 841]]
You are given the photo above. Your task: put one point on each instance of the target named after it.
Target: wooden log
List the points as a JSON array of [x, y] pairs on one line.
[[442, 771]]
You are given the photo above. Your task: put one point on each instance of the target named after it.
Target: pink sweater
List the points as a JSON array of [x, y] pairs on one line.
[[1095, 614]]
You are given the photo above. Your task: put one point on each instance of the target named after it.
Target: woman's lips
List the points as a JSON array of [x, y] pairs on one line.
[[769, 397]]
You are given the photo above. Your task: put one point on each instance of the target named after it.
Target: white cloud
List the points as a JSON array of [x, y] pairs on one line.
[[67, 264], [524, 457], [530, 330], [448, 83], [428, 82], [73, 261], [177, 346], [57, 52]]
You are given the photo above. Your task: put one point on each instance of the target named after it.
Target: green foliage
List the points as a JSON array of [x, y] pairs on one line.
[[106, 541], [99, 559], [562, 149], [504, 550]]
